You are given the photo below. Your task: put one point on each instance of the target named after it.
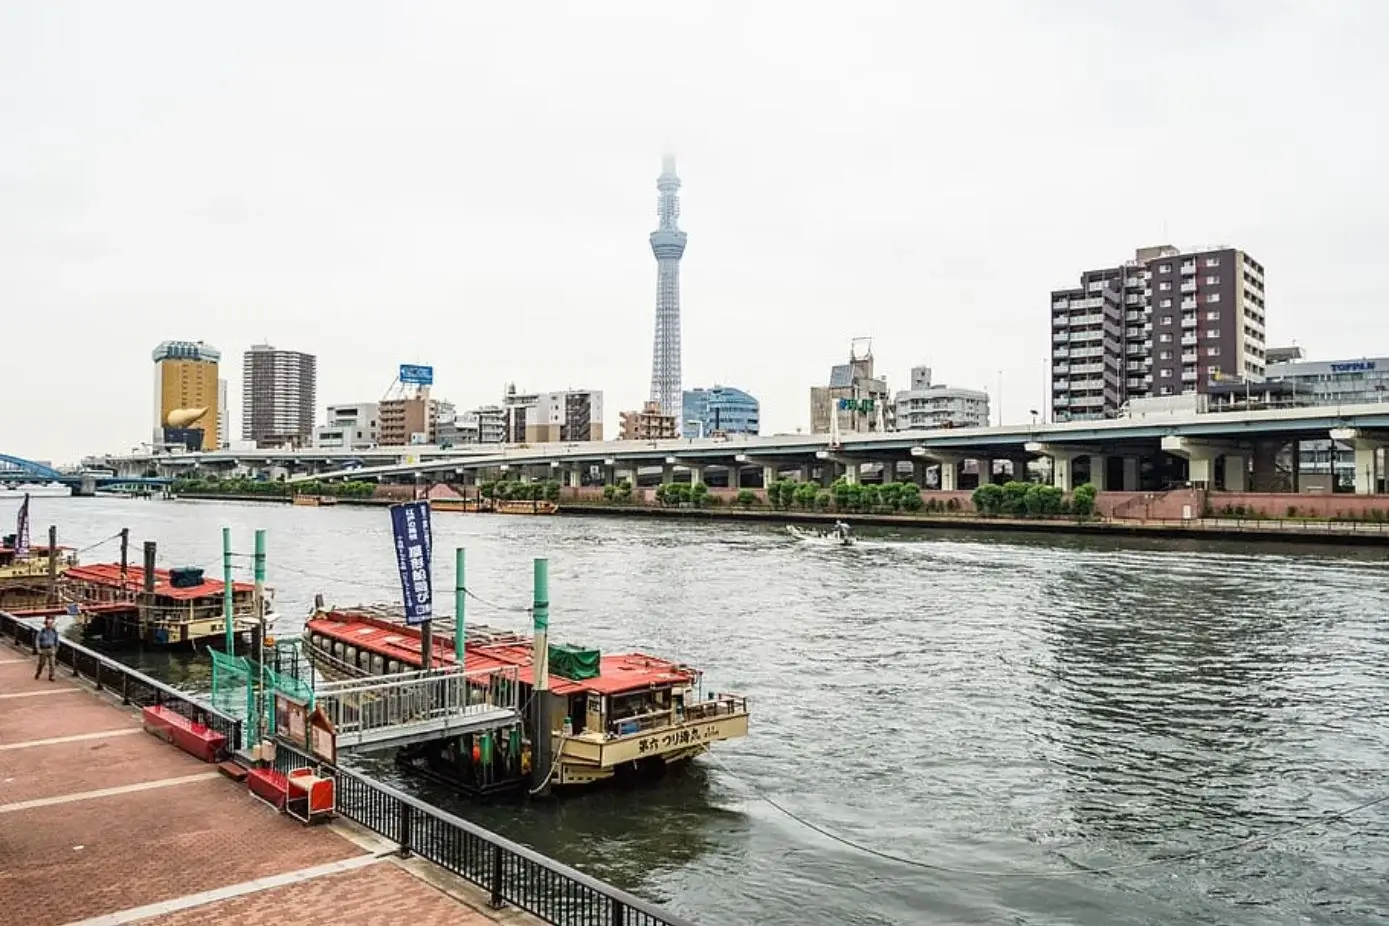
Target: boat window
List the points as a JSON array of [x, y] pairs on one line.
[[378, 665]]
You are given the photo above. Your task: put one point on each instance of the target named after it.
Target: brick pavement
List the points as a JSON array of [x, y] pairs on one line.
[[95, 856]]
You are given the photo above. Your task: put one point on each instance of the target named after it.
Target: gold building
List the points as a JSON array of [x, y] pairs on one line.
[[186, 395]]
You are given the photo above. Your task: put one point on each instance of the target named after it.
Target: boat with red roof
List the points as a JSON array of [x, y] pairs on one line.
[[624, 716], [176, 606]]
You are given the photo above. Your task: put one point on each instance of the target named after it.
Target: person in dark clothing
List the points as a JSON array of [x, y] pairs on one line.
[[46, 646]]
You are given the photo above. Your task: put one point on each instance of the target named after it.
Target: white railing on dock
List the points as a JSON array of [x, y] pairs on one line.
[[392, 710]]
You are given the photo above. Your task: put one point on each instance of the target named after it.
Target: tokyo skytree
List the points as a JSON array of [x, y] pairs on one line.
[[668, 244]]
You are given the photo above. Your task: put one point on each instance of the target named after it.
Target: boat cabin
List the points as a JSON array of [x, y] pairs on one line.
[[184, 606]]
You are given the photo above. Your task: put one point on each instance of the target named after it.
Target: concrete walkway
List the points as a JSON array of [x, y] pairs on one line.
[[103, 824]]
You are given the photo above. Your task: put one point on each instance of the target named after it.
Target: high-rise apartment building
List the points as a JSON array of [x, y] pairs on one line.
[[566, 416], [668, 246], [279, 391], [186, 394], [720, 410], [1165, 323], [936, 405]]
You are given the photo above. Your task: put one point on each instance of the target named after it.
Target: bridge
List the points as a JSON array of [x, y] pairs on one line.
[[386, 712], [1110, 453], [17, 471]]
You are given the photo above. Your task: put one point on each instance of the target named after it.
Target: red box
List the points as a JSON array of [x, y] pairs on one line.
[[193, 738], [269, 785]]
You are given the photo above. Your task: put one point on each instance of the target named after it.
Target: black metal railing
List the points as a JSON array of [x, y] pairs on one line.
[[134, 688], [510, 873]]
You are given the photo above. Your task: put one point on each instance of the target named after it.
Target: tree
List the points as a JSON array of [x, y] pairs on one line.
[[609, 492], [989, 499], [551, 491], [699, 495], [1083, 501], [746, 498], [891, 495], [488, 489], [624, 490], [909, 496], [805, 494]]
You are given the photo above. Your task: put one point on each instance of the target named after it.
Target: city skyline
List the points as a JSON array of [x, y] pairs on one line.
[[832, 203]]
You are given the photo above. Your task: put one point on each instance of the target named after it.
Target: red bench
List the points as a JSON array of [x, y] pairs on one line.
[[269, 785], [193, 738]]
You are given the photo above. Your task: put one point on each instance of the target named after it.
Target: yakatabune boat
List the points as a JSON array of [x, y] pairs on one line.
[[627, 715]]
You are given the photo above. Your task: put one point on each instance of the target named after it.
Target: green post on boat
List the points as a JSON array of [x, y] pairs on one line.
[[542, 734], [460, 596], [258, 632], [228, 624]]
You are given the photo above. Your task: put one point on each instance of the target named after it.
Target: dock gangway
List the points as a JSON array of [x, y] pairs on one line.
[[389, 711]]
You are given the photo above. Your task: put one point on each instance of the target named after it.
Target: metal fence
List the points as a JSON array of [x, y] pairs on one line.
[[135, 688], [361, 707], [1291, 526], [510, 873]]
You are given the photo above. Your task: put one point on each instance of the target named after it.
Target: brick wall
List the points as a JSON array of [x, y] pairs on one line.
[[1276, 504], [1140, 506]]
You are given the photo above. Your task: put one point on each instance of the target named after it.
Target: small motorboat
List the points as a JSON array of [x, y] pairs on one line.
[[837, 536]]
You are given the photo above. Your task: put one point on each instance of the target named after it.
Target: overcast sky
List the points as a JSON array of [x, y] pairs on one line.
[[471, 185]]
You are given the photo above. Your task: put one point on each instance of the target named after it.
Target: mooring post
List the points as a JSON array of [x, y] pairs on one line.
[[542, 735], [258, 631], [460, 595], [228, 625], [52, 563], [125, 555], [147, 584]]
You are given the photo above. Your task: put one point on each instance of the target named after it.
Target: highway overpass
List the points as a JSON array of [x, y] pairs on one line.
[[1237, 451]]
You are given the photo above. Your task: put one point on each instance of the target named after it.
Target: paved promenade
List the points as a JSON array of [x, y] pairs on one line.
[[101, 823]]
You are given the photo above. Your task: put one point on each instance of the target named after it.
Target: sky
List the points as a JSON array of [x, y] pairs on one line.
[[472, 185]]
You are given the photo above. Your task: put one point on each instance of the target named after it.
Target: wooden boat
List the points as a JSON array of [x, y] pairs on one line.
[[111, 602], [623, 716], [33, 581], [314, 501], [457, 503], [523, 506]]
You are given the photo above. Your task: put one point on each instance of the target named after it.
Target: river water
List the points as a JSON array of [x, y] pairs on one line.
[[1007, 712]]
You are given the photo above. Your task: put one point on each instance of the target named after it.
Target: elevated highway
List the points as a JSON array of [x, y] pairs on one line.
[[1232, 448]]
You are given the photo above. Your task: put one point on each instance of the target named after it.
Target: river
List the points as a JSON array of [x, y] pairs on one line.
[[1009, 712]]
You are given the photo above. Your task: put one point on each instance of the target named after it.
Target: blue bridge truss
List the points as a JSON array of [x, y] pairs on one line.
[[19, 470]]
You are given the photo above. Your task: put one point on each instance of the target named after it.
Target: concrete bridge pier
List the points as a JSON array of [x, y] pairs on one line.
[[1366, 445], [609, 471], [1063, 464], [696, 469], [1201, 456], [834, 462], [949, 465], [1130, 476]]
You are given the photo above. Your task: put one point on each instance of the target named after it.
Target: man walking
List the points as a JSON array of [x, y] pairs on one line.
[[46, 645]]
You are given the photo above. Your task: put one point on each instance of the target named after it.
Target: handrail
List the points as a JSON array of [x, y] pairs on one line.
[[135, 687], [511, 873]]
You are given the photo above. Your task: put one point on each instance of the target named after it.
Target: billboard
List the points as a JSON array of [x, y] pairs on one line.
[[413, 550], [416, 375]]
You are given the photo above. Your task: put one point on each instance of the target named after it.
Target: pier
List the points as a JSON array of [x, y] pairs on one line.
[[105, 824]]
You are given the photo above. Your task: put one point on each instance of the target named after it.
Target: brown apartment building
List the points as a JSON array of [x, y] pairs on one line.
[[1167, 322], [649, 424]]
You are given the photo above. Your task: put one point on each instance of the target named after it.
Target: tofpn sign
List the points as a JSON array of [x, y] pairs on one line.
[[416, 375]]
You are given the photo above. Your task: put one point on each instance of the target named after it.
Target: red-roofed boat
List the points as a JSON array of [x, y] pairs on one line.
[[626, 714], [182, 606]]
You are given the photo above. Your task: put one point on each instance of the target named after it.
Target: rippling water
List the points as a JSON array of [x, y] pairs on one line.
[[1012, 710]]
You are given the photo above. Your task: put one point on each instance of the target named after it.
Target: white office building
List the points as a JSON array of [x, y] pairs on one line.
[[935, 405], [350, 427]]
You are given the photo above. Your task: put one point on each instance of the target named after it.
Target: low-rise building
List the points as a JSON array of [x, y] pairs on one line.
[[720, 410], [483, 425], [855, 401], [1353, 381], [649, 423], [412, 420], [936, 405], [355, 427]]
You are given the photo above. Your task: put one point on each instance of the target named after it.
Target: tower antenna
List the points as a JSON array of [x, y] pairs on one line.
[[668, 246]]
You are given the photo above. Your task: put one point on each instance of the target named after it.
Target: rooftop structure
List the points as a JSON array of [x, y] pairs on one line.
[[855, 401]]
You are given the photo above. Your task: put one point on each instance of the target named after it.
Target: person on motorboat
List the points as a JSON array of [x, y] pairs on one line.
[[841, 531]]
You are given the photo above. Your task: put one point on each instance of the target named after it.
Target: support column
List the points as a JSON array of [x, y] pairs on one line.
[[806, 473], [950, 475], [1265, 465], [1131, 474], [667, 473], [696, 473], [1366, 445], [574, 476], [1018, 467], [919, 472], [1099, 471], [889, 471], [769, 475], [851, 466], [1062, 474], [609, 471], [1236, 472], [1201, 457]]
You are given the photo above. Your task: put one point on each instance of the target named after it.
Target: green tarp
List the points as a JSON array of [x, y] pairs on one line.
[[574, 662]]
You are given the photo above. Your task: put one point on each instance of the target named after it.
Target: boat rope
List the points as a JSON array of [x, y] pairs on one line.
[[511, 609], [1080, 869], [559, 757], [93, 546]]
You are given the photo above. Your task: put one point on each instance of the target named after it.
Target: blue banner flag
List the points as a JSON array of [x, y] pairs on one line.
[[414, 544]]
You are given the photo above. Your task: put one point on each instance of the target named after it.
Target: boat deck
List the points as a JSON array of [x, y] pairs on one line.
[[104, 824]]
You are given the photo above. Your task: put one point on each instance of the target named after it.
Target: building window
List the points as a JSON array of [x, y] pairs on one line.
[[1165, 268], [1165, 373], [1213, 281], [1165, 304], [1213, 350], [1164, 339], [1166, 390], [1213, 315], [1212, 262], [1213, 297], [1165, 286], [1167, 319], [1212, 332], [1164, 355]]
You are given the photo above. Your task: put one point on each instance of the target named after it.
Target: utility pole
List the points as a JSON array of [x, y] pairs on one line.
[[228, 628]]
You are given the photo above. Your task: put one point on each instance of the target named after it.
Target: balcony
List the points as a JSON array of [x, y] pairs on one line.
[[1059, 321], [1188, 377], [1132, 282], [1189, 321], [1060, 353], [1088, 320], [1188, 268], [1188, 304], [1061, 304], [1189, 340], [1061, 368], [1060, 337], [1190, 357], [1188, 286]]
